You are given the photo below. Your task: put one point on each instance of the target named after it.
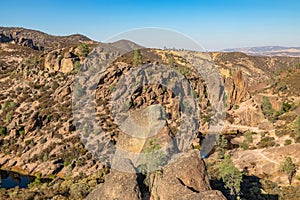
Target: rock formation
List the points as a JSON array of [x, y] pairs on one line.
[[185, 179]]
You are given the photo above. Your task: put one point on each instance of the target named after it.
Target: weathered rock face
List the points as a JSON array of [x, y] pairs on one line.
[[17, 40], [57, 61], [185, 179], [248, 114], [26, 42], [237, 88], [52, 61], [119, 186]]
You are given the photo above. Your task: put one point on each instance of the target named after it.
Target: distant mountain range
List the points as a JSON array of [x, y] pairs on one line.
[[268, 51], [38, 40]]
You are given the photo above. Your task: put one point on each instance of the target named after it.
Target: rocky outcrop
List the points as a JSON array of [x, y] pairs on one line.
[[185, 179], [26, 42], [57, 60], [236, 88], [119, 186], [40, 41], [249, 113], [22, 41]]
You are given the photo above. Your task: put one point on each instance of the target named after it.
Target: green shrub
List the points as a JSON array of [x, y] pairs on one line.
[[222, 146], [267, 142], [288, 142], [52, 176], [111, 88], [12, 104], [66, 163], [8, 117], [248, 137], [288, 167], [28, 142], [37, 181], [231, 176], [137, 57], [31, 62], [22, 132], [79, 191], [76, 66], [279, 71], [83, 50], [267, 108], [54, 85], [3, 131], [244, 146], [8, 104], [235, 106], [285, 107]]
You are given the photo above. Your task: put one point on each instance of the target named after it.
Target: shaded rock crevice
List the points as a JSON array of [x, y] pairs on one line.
[[189, 187]]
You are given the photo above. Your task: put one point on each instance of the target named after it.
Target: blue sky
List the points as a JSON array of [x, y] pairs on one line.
[[216, 24]]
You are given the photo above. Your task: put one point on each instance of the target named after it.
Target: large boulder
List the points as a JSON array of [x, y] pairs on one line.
[[61, 60], [185, 178], [66, 65], [52, 60], [118, 186]]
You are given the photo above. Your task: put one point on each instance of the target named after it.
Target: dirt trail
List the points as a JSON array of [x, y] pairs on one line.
[[265, 157]]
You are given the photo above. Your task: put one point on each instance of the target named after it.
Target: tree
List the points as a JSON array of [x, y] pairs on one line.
[[231, 176], [76, 66], [267, 108], [285, 107], [288, 167], [137, 57], [83, 50], [222, 145]]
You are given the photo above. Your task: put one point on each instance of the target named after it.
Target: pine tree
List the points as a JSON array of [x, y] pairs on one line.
[[137, 57], [288, 167], [222, 145], [83, 50], [267, 108], [231, 176]]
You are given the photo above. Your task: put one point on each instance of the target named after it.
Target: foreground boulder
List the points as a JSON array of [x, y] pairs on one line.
[[118, 186], [184, 179]]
